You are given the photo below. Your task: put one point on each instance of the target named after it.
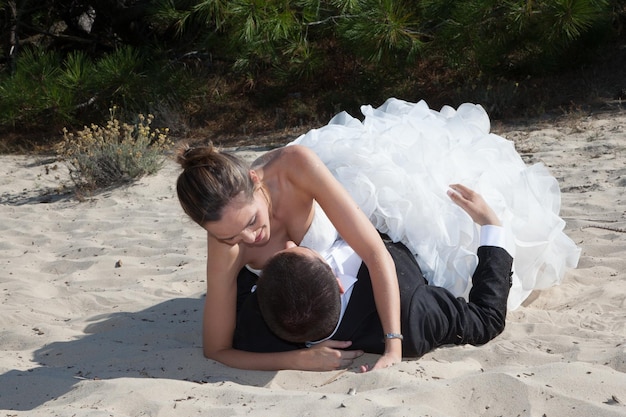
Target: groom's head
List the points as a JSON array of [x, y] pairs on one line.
[[299, 296]]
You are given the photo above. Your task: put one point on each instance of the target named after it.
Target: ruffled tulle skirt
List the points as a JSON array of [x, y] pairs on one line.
[[398, 163]]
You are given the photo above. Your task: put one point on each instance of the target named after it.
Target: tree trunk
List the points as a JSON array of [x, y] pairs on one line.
[[13, 36]]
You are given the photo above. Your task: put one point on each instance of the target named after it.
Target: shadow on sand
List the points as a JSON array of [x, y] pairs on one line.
[[162, 341]]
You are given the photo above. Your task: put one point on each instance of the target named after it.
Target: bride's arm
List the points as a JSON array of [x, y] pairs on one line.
[[356, 229]]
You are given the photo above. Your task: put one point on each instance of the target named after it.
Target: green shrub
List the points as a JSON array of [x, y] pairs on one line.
[[526, 37], [102, 156], [33, 95]]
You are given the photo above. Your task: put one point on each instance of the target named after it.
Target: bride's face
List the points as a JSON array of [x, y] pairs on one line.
[[243, 221]]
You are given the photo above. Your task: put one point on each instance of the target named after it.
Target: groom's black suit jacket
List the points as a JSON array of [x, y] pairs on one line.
[[430, 316]]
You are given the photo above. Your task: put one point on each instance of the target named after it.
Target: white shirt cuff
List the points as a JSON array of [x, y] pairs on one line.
[[491, 235]]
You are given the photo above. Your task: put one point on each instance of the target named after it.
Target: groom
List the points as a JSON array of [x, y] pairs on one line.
[[345, 309]]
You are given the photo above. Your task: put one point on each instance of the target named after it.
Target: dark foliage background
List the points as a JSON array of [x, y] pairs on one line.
[[234, 71]]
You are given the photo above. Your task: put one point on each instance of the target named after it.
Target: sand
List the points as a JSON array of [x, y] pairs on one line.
[[100, 307]]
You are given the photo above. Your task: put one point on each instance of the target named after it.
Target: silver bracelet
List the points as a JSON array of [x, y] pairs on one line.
[[394, 336]]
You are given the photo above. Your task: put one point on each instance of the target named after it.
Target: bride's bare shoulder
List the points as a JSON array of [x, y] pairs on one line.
[[286, 154]]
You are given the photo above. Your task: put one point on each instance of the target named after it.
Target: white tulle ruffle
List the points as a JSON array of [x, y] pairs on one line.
[[398, 163]]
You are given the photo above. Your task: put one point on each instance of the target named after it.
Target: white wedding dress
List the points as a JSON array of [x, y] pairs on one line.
[[397, 164]]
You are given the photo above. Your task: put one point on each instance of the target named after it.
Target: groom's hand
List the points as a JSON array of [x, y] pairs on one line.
[[474, 204]]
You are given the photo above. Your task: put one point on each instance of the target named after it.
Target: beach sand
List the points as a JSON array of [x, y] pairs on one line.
[[101, 301]]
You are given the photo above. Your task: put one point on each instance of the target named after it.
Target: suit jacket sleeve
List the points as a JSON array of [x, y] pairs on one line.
[[434, 317], [431, 316]]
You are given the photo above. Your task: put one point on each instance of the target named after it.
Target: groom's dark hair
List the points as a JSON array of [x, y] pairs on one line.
[[299, 297]]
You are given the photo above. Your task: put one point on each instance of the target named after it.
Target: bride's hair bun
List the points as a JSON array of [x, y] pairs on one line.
[[192, 156], [210, 180]]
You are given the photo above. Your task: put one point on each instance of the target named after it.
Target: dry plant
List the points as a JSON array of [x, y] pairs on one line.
[[102, 156]]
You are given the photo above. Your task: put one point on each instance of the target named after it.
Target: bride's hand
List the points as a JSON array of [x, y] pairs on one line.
[[384, 361], [329, 356]]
